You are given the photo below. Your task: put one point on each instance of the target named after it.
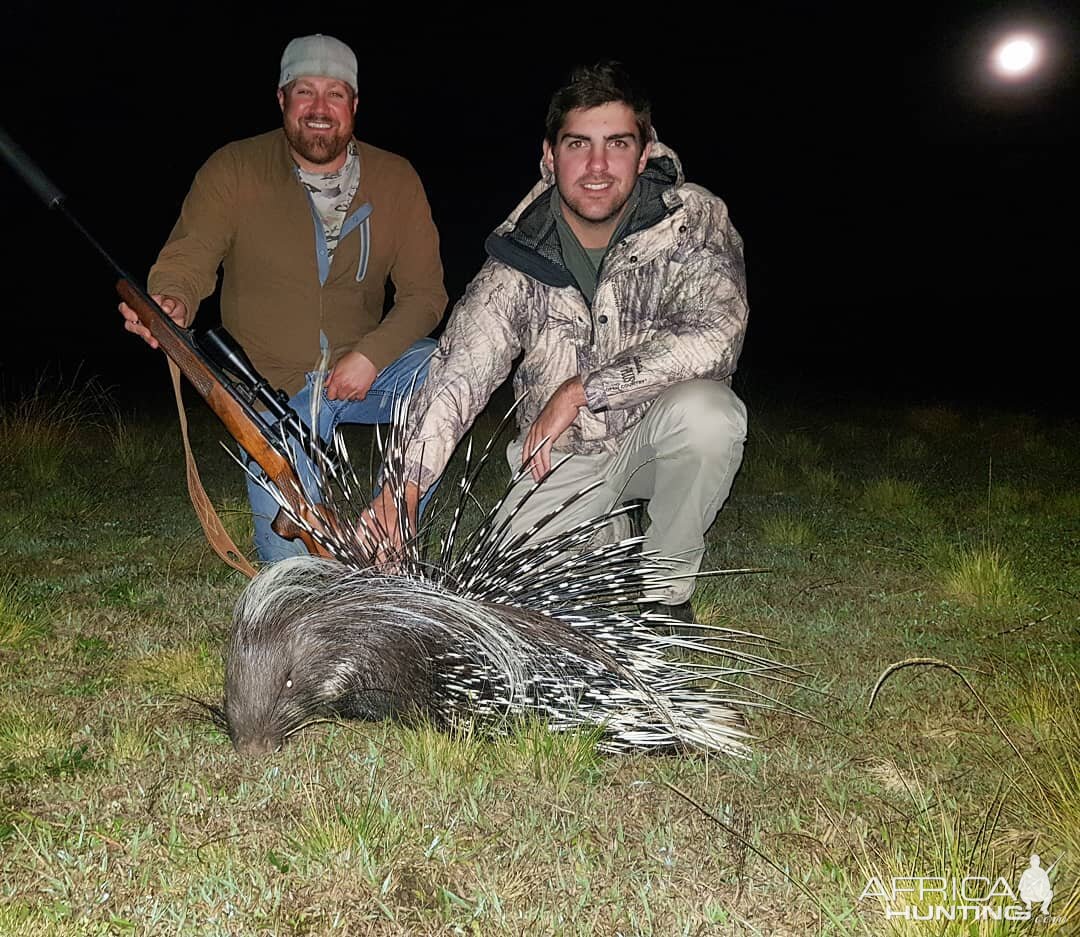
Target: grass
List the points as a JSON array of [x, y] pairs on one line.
[[192, 670], [122, 810], [786, 530], [134, 445], [822, 481], [908, 878], [983, 578], [33, 742], [1046, 701], [18, 625], [236, 518], [890, 495], [40, 431]]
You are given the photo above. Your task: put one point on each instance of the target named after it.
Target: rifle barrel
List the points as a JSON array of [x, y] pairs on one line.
[[43, 187], [31, 173]]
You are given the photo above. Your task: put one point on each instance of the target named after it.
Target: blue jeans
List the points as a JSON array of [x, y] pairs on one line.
[[395, 381]]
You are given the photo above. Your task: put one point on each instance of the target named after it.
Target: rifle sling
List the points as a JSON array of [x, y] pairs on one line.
[[216, 534]]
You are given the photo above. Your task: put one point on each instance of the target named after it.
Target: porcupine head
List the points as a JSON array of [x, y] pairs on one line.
[[262, 698], [275, 666], [311, 640]]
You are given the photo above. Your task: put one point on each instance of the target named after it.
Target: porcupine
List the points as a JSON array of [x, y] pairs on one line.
[[495, 626]]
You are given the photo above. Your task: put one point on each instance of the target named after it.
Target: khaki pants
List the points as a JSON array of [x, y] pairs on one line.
[[682, 458]]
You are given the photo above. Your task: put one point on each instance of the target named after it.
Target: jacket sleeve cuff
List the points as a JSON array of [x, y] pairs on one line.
[[596, 398]]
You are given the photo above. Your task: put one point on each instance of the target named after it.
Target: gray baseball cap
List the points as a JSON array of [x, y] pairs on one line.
[[318, 56]]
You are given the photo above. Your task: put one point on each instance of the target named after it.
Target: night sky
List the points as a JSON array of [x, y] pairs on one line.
[[908, 221]]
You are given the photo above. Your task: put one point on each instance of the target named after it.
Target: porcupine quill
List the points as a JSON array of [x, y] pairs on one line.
[[489, 627]]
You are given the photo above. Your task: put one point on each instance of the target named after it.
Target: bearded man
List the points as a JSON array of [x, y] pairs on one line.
[[306, 224], [622, 287]]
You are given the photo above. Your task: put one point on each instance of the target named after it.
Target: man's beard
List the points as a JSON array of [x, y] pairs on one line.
[[318, 148]]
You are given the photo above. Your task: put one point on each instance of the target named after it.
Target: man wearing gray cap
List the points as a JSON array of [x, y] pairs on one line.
[[307, 223]]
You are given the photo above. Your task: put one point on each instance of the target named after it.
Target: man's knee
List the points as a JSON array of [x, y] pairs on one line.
[[703, 416]]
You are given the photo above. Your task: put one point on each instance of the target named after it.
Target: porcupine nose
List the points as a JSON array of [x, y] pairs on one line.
[[257, 745]]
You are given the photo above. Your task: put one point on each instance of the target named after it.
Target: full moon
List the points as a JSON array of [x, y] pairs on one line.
[[1016, 56]]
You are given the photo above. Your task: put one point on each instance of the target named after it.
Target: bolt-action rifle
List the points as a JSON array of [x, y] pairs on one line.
[[256, 415]]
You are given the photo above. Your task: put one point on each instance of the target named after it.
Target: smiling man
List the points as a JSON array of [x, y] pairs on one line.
[[307, 223], [623, 288]]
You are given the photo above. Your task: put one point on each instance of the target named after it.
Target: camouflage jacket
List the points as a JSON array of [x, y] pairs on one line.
[[670, 306]]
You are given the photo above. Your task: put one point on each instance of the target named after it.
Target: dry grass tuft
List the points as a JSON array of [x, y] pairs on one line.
[[236, 517], [135, 447], [786, 530], [17, 617], [983, 578], [39, 432], [1046, 704], [822, 481], [890, 495]]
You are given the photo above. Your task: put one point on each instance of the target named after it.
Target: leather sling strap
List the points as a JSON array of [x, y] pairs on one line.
[[216, 534]]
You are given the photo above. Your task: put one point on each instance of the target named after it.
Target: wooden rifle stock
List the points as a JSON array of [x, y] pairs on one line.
[[240, 418]]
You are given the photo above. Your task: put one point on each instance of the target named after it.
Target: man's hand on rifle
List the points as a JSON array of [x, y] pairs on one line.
[[351, 378], [174, 309], [383, 532]]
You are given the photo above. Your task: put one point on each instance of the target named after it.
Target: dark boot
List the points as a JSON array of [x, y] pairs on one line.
[[675, 620]]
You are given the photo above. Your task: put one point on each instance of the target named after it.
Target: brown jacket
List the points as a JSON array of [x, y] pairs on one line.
[[248, 212]]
